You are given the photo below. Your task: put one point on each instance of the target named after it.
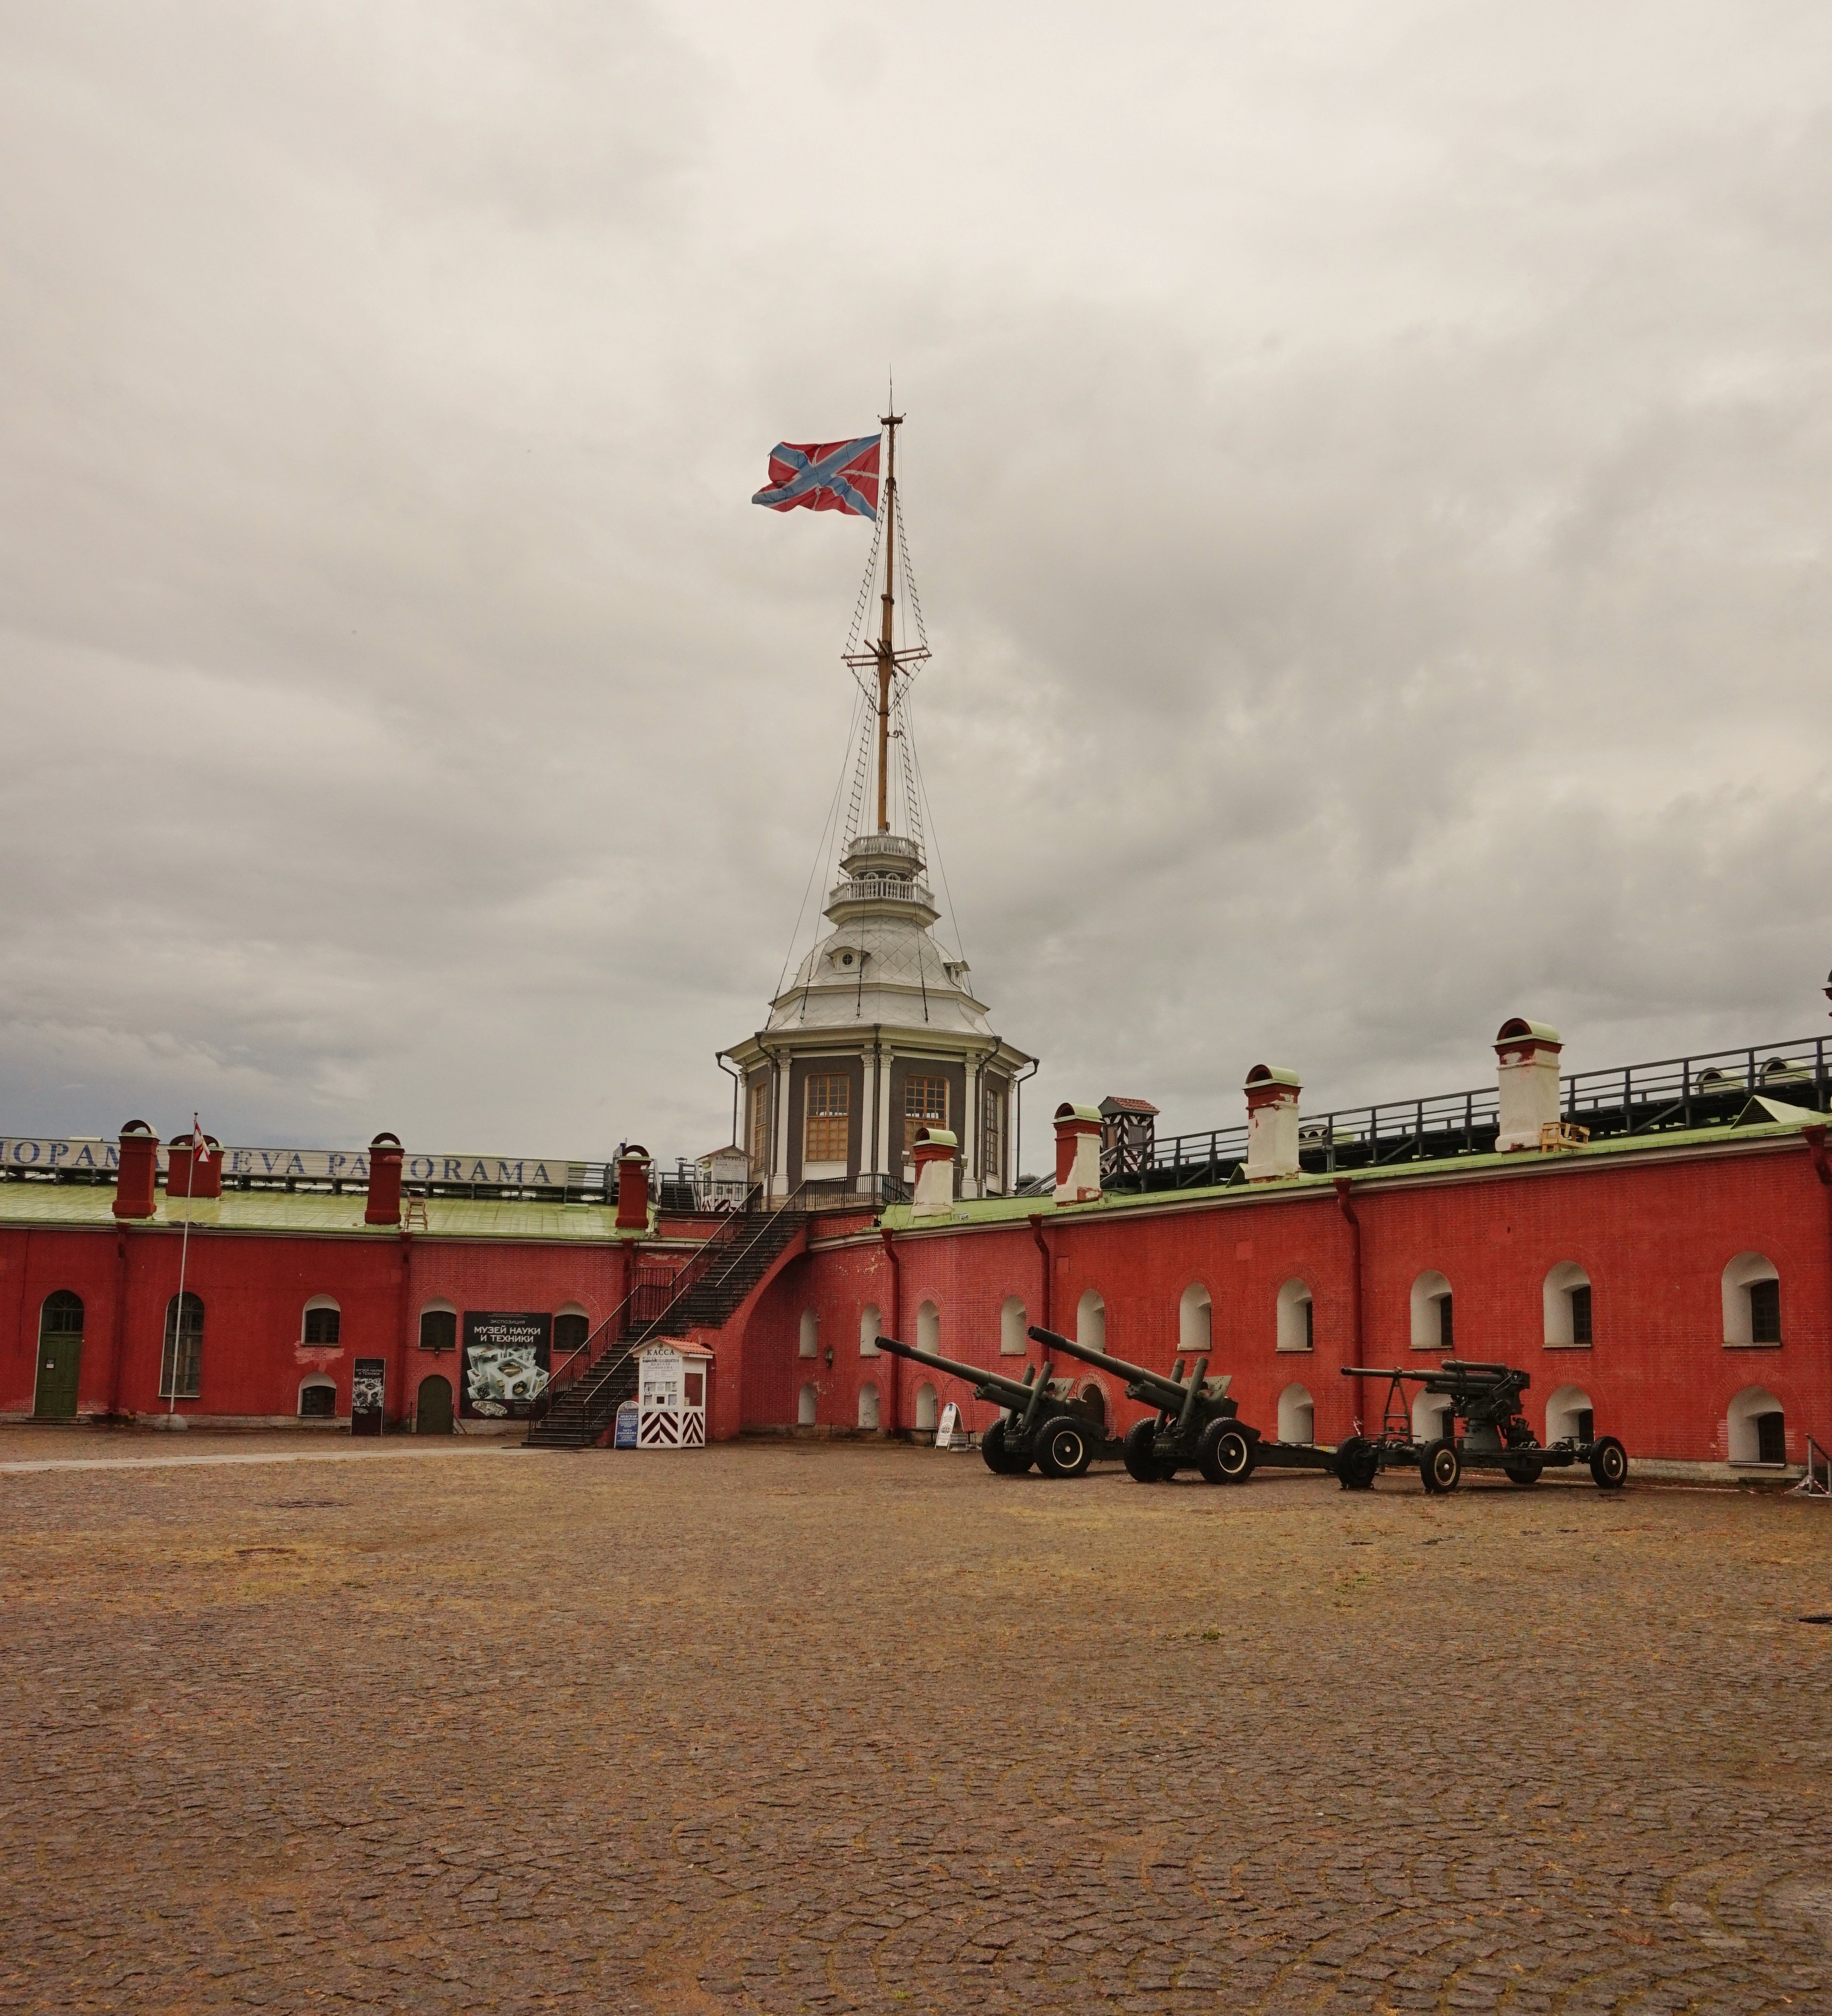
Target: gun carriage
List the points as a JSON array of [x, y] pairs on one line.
[[1042, 1423], [1196, 1424], [1494, 1435]]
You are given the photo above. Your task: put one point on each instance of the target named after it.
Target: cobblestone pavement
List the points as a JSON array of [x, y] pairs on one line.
[[780, 1728]]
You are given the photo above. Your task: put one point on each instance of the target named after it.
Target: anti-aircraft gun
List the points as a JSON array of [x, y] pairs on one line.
[[1486, 1399], [1196, 1422], [1040, 1425]]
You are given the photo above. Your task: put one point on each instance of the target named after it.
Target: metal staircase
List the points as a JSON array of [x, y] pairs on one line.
[[588, 1388]]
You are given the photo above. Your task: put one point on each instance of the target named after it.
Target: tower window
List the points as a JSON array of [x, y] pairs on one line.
[[829, 1105], [925, 1104], [992, 1159]]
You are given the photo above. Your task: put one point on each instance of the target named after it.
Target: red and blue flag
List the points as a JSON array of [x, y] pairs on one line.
[[824, 476]]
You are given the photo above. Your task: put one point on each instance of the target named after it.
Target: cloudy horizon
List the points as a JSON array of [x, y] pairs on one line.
[[1367, 476]]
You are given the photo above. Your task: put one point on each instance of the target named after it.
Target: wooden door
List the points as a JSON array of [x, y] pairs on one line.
[[60, 1357], [432, 1412]]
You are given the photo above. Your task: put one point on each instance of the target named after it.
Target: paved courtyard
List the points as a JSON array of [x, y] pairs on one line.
[[783, 1728]]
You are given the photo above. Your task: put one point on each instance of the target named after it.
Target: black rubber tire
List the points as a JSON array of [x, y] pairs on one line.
[[1001, 1459], [1065, 1446], [1358, 1463], [1609, 1463], [1136, 1453], [1440, 1467], [1225, 1453]]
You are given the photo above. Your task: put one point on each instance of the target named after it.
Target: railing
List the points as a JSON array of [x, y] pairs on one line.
[[861, 888], [1673, 1093], [1817, 1483]]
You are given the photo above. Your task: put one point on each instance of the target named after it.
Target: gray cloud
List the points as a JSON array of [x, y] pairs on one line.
[[1367, 475]]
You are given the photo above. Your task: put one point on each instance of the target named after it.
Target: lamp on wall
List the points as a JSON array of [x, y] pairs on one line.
[[829, 1357]]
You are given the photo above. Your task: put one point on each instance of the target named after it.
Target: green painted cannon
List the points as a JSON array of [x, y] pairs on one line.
[[1040, 1425]]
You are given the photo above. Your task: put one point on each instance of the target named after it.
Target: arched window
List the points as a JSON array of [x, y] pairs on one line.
[[1195, 1322], [810, 1344], [1756, 1428], [1013, 1342], [1092, 1399], [1432, 1418], [806, 1403], [322, 1322], [1567, 1299], [61, 1314], [926, 1413], [929, 1327], [317, 1398], [869, 1324], [438, 1326], [1297, 1416], [1297, 1328], [868, 1406], [1431, 1324], [571, 1327], [1091, 1322], [181, 1365], [1752, 1301], [1569, 1416]]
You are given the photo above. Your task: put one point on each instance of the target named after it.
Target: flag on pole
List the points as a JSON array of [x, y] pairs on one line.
[[824, 476], [199, 1147]]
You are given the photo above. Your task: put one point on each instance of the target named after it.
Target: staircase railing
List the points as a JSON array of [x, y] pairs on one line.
[[737, 1238], [1817, 1483]]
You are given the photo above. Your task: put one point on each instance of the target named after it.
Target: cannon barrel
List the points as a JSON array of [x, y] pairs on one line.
[[974, 1375], [1135, 1375], [1462, 1374]]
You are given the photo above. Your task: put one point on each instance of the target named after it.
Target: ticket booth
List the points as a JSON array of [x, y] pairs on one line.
[[672, 1381]]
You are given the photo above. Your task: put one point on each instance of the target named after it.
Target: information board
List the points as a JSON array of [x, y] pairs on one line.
[[368, 1385], [508, 1357]]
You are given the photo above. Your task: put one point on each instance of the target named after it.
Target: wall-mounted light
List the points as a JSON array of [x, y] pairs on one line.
[[829, 1357]]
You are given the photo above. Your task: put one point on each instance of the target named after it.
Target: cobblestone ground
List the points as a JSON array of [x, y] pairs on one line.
[[785, 1728]]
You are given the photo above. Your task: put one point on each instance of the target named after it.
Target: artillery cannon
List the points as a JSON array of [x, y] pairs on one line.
[[1486, 1399], [1040, 1425], [1196, 1422]]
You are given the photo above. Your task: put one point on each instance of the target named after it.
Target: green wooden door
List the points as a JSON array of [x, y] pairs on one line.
[[60, 1357], [432, 1412]]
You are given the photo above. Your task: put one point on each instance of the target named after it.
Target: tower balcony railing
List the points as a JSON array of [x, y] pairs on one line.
[[877, 888]]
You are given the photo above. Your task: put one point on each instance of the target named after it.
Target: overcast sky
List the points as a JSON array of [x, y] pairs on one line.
[[1367, 469]]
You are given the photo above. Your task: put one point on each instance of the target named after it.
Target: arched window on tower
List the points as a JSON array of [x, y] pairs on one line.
[[1432, 1328], [1091, 1321], [1012, 1341], [1297, 1327], [1195, 1321], [1752, 1301], [870, 1323], [809, 1345], [1566, 1302]]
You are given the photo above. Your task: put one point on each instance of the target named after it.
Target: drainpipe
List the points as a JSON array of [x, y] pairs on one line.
[[121, 1322], [406, 1318], [1017, 1122], [737, 1078], [1042, 1247], [1342, 1186], [1815, 1142], [894, 1329]]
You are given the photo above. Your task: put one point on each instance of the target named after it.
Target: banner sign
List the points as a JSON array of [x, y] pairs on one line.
[[368, 1376], [45, 1155], [507, 1362], [950, 1424]]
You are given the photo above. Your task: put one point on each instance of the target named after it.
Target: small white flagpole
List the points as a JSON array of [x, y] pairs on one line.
[[178, 1328]]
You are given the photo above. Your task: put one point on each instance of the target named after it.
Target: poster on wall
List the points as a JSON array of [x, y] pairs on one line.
[[367, 1381], [507, 1361]]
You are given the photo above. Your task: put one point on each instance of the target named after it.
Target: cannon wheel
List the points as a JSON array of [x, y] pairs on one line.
[[1358, 1463], [1609, 1463], [1064, 1448], [1224, 1455], [1143, 1465], [1001, 1459], [1440, 1467]]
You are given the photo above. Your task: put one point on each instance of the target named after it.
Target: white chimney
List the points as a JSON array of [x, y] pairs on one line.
[[934, 1166], [1272, 1122], [1527, 1056], [1078, 1154]]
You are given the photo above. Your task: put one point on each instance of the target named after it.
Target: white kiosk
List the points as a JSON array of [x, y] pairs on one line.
[[671, 1380]]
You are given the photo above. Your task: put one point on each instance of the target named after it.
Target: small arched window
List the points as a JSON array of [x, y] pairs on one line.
[[1012, 1339], [807, 1401], [1195, 1321], [1432, 1417], [181, 1365], [1296, 1325], [1565, 1300], [1091, 1321], [926, 1412], [809, 1345], [1756, 1429], [571, 1327], [1432, 1328], [438, 1326], [1752, 1301], [868, 1406], [929, 1327], [1297, 1416], [317, 1398], [1570, 1417], [869, 1324], [61, 1315], [322, 1322]]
